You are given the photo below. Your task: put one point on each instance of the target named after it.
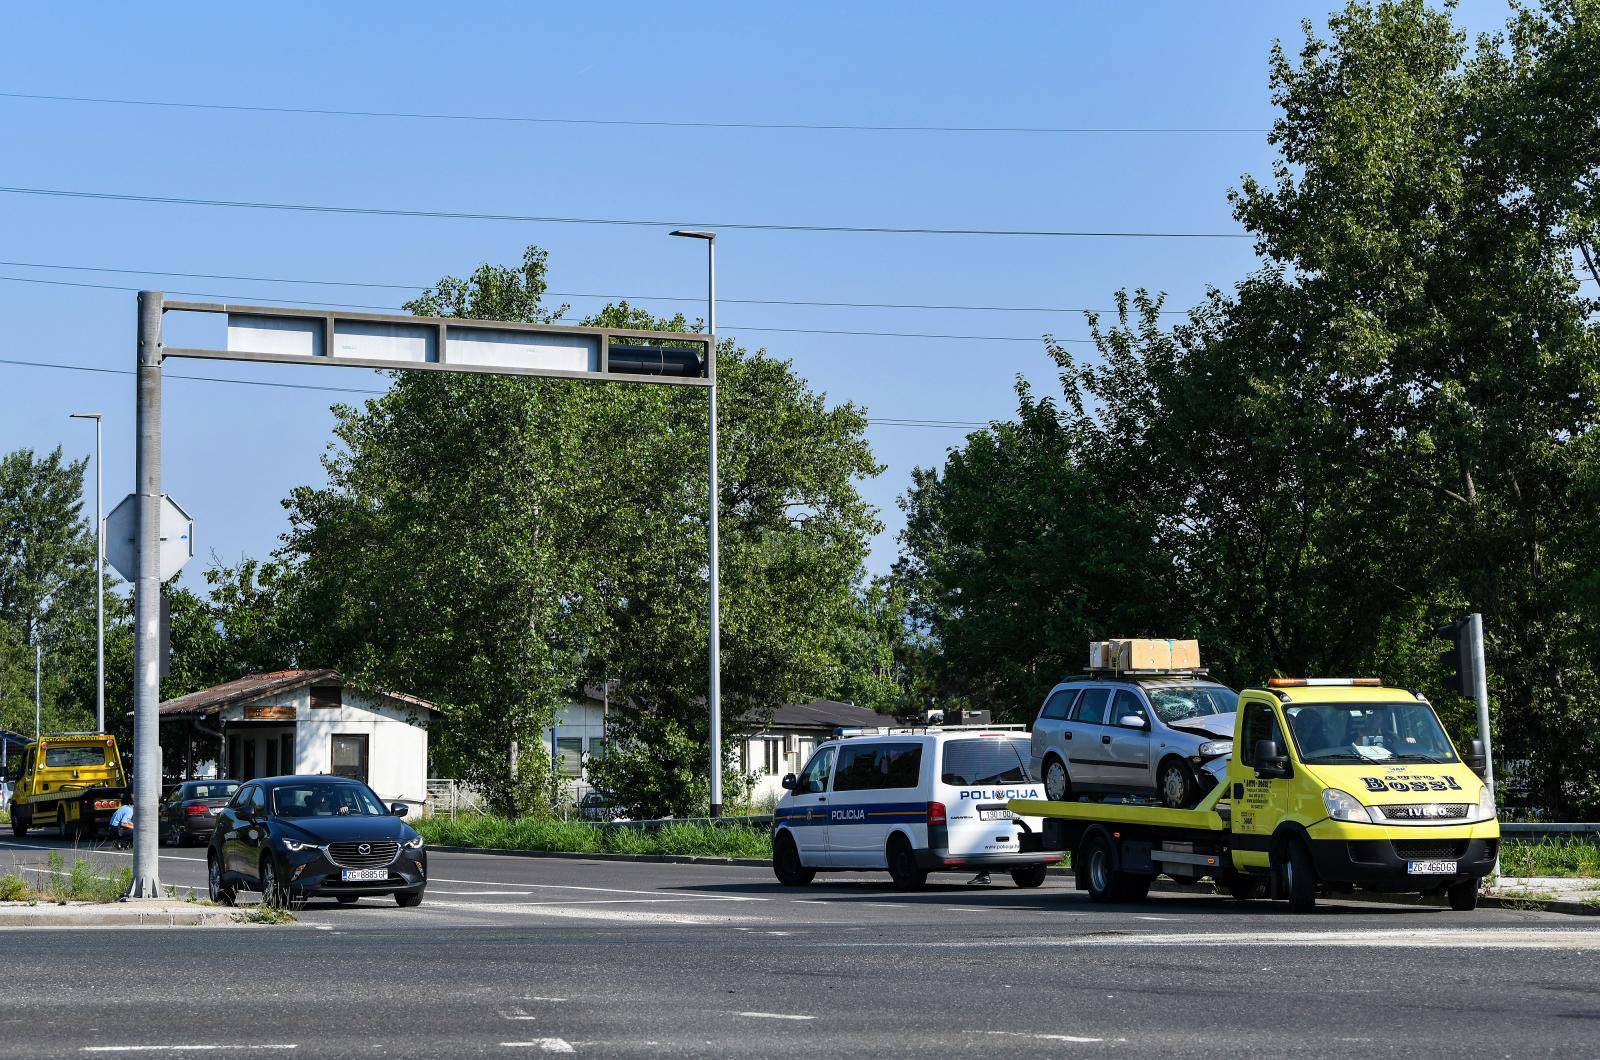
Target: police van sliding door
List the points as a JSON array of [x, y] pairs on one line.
[[876, 791]]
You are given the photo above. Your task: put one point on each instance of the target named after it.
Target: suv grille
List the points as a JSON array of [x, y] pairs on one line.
[[1444, 850], [370, 855], [1435, 811]]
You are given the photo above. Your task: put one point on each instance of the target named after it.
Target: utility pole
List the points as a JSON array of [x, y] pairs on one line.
[[715, 638], [38, 675], [1480, 692], [99, 575], [147, 603]]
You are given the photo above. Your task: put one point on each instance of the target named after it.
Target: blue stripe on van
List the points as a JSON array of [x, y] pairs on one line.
[[861, 813]]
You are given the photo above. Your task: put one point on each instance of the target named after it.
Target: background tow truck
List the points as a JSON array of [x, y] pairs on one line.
[[1334, 784], [74, 781]]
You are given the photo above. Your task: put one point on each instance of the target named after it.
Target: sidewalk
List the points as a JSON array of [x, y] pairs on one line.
[[159, 913], [1548, 888]]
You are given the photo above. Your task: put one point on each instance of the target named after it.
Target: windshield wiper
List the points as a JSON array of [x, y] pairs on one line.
[[1341, 756], [1420, 758]]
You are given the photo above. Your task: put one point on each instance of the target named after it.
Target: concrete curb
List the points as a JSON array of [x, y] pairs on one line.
[[570, 855], [1485, 901], [115, 914]]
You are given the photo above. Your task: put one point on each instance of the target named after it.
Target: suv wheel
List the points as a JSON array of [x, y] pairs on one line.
[[1177, 784], [1057, 784], [219, 890]]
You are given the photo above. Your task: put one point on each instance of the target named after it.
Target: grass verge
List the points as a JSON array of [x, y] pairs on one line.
[[1574, 856], [80, 883], [581, 837]]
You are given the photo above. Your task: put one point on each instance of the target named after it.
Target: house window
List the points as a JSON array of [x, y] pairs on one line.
[[327, 696], [772, 757], [569, 756], [350, 757]]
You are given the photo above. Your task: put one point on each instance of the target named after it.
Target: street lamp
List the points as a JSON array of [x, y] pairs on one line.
[[99, 577], [716, 582]]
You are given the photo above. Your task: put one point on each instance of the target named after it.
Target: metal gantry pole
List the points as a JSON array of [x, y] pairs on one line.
[[1480, 692], [147, 603], [99, 574], [716, 574], [38, 681]]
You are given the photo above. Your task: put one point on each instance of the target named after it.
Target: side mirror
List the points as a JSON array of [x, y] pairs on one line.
[[1477, 761], [1270, 761], [789, 780], [399, 809], [1132, 721]]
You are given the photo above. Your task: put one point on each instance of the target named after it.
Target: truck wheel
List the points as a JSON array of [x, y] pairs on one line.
[[1464, 896], [218, 890], [1177, 784], [1244, 888], [20, 819], [786, 863], [1057, 784], [1028, 876], [903, 868], [1299, 878]]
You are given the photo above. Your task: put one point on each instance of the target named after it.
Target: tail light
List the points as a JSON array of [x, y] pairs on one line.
[[196, 810], [936, 814]]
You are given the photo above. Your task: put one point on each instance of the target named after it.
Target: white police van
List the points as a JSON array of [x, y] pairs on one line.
[[912, 801]]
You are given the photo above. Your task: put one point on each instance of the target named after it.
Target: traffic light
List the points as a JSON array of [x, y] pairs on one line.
[[1457, 659]]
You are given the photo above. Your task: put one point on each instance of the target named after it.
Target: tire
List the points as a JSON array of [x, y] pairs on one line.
[[217, 888], [1245, 888], [1176, 782], [1299, 878], [786, 863], [20, 820], [408, 901], [273, 890], [1057, 781], [1464, 895], [903, 867], [351, 899], [1106, 884], [64, 825], [1028, 876]]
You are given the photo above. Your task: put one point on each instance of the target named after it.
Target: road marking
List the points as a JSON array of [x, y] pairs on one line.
[[601, 890], [1443, 938], [1161, 918], [535, 997], [592, 913], [508, 894], [178, 1048], [12, 845], [774, 1016], [1047, 1037], [544, 1045]]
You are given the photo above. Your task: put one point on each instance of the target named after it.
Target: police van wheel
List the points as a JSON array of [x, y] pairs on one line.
[[903, 867], [1464, 896], [1057, 784], [1028, 876], [787, 866], [1177, 783], [1299, 878]]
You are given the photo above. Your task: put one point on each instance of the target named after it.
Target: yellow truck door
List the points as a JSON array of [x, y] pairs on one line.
[[1256, 798]]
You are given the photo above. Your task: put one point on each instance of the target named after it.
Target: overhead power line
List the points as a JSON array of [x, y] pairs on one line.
[[1044, 130], [244, 299], [878, 421], [746, 226], [578, 294]]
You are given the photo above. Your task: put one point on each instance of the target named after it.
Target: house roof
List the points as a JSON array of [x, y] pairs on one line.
[[826, 714], [257, 686]]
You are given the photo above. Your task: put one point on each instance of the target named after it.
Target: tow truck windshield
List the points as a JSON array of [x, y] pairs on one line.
[[1192, 701], [1368, 732]]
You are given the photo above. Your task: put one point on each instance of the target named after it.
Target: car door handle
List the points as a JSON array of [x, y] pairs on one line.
[[1105, 739]]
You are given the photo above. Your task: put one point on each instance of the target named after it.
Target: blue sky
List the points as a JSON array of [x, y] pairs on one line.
[[233, 452]]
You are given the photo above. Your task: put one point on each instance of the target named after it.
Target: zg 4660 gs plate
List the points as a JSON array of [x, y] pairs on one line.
[[1431, 868]]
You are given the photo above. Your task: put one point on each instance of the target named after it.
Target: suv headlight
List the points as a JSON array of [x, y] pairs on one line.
[[1486, 809], [1342, 807], [294, 846], [1214, 748], [414, 843]]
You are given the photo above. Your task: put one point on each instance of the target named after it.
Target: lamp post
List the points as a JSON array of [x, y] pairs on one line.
[[99, 576], [715, 638]]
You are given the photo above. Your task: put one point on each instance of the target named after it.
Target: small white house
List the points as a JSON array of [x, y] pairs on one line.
[[309, 721]]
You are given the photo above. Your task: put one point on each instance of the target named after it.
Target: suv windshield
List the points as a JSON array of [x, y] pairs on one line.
[[1192, 701], [315, 799], [1368, 732], [983, 761]]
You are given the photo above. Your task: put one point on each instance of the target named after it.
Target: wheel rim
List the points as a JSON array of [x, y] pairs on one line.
[[214, 880], [1172, 783], [1288, 874], [269, 883], [1097, 869], [1055, 782]]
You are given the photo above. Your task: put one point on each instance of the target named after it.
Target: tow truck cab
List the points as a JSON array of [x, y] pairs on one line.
[[74, 781], [1334, 784]]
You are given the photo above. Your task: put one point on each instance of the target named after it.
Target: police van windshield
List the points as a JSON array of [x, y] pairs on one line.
[[1192, 701], [1368, 732], [983, 761]]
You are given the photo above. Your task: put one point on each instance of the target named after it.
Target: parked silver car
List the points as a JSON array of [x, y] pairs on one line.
[[1133, 736]]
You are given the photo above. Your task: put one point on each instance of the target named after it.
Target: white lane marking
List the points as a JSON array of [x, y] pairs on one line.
[[506, 894], [1046, 1037], [593, 913], [1161, 918], [535, 997], [544, 1045], [601, 890], [92, 850], [1444, 938], [178, 1048], [774, 1016]]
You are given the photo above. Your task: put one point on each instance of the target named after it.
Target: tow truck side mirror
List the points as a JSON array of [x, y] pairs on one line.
[[1477, 761], [788, 781], [1270, 761]]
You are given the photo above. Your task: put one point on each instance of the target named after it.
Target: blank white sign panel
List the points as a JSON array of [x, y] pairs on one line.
[[491, 348], [416, 343], [296, 337]]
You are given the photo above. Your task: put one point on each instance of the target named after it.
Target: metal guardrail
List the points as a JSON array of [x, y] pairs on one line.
[[754, 821], [1549, 829]]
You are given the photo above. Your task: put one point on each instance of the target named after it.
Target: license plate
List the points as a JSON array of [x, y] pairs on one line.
[[994, 815], [363, 875], [1431, 868]]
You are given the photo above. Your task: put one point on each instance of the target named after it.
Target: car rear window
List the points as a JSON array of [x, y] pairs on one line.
[[74, 757], [212, 791], [881, 765], [983, 761]]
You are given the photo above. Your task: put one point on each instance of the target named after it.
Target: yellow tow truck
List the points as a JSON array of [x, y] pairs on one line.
[[74, 781], [1335, 784]]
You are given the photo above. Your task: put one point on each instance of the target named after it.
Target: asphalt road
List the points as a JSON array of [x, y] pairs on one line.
[[516, 955]]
